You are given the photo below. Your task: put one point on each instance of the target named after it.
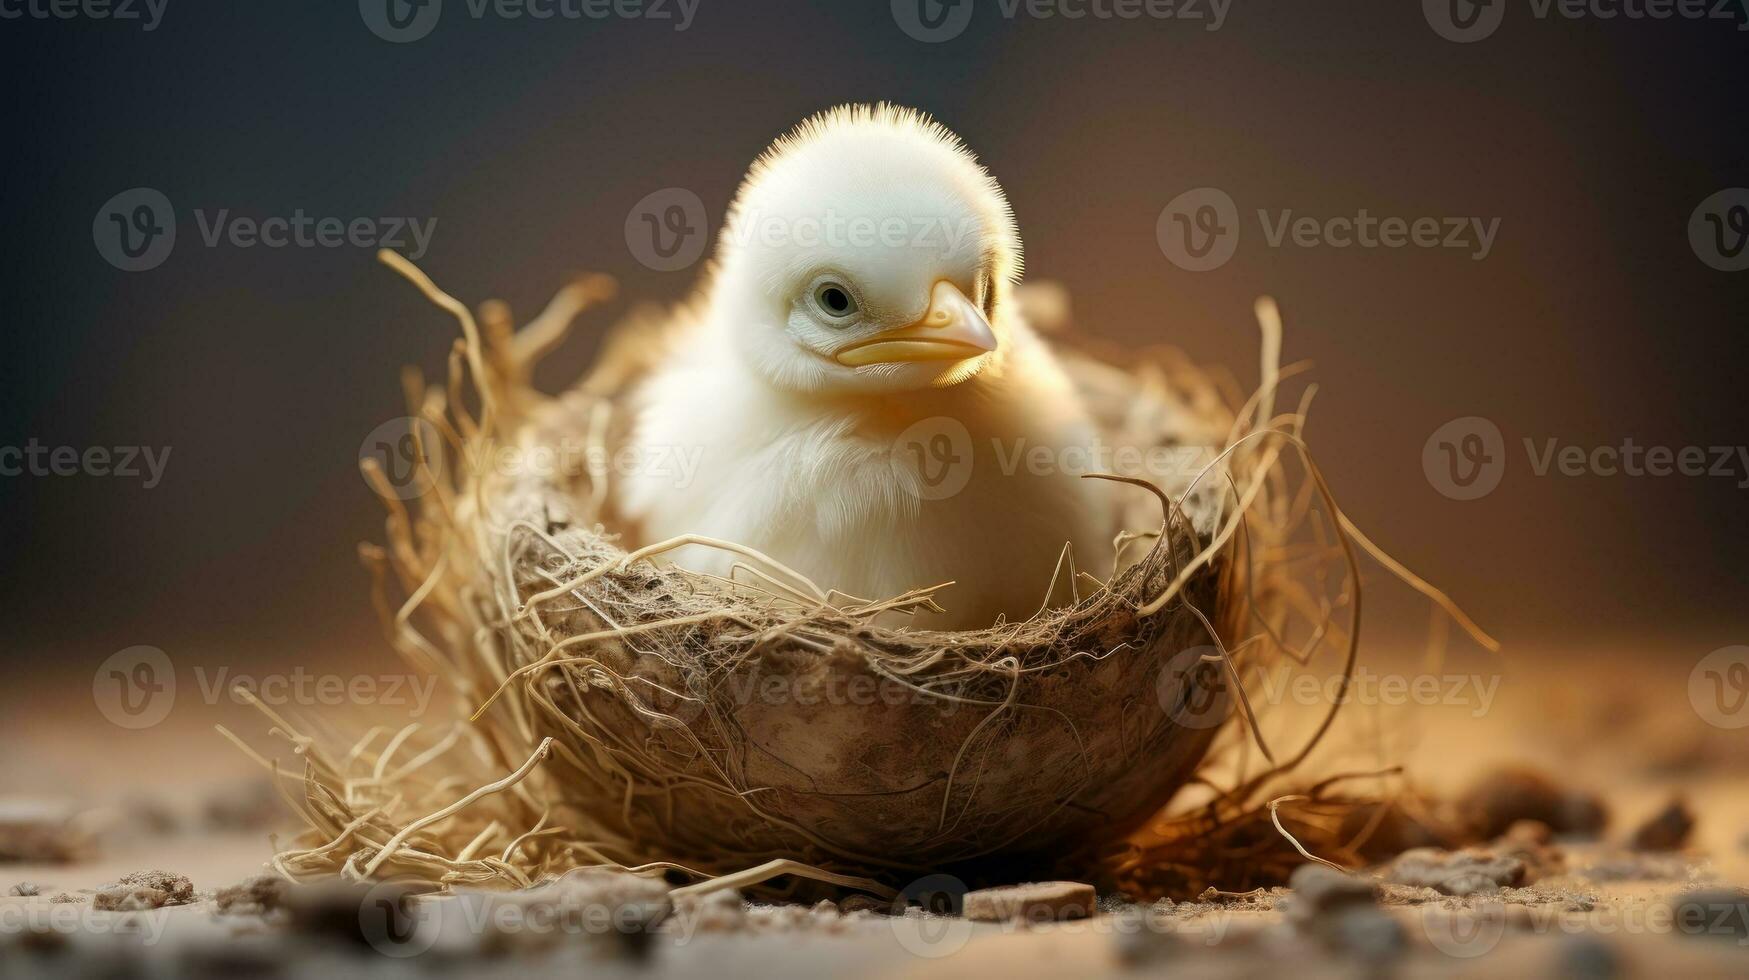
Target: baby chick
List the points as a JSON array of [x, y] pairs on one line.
[[863, 398]]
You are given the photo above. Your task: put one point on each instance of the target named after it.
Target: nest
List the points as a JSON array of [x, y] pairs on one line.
[[629, 714]]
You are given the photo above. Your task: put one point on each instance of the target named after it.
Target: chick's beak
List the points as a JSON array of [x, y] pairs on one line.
[[952, 329]]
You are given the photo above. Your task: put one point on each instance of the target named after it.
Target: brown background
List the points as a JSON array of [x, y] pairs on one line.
[[529, 141]]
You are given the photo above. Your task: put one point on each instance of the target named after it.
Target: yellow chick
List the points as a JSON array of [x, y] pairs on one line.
[[858, 390]]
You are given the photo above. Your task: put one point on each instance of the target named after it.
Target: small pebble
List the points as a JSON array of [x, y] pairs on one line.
[[1467, 872], [256, 896], [1318, 890], [854, 904], [1366, 932], [1500, 798], [1587, 958], [40, 832], [143, 891], [1668, 830], [1043, 901]]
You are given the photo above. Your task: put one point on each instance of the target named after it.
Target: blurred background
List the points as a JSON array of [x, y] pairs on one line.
[[524, 143]]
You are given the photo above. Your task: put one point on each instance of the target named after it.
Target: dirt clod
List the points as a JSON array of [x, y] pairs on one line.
[[1471, 871], [40, 832], [1389, 830], [864, 903], [1043, 901], [1532, 842], [1498, 800], [1667, 830], [1319, 891], [256, 896], [143, 891]]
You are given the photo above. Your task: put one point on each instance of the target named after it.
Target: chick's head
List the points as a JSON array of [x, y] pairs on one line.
[[867, 252]]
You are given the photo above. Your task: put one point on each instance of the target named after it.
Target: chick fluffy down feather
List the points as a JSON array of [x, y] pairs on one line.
[[829, 476]]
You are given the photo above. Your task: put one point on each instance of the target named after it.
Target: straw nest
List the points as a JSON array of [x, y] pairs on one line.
[[624, 713]]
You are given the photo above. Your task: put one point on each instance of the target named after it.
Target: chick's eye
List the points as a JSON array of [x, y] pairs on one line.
[[835, 300]]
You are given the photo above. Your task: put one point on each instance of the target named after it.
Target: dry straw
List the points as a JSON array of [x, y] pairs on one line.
[[766, 730]]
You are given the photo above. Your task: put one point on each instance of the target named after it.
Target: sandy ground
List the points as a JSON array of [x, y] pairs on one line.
[[1630, 733]]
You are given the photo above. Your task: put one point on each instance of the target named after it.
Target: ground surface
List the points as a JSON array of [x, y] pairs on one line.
[[1629, 732]]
